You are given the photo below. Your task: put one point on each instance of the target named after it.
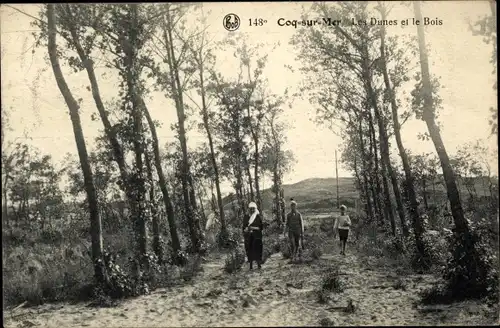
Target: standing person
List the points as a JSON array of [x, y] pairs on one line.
[[342, 226], [295, 227], [252, 232]]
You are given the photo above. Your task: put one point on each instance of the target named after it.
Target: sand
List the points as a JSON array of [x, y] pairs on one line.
[[281, 294]]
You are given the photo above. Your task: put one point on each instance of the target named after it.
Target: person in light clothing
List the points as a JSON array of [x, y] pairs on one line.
[[342, 226]]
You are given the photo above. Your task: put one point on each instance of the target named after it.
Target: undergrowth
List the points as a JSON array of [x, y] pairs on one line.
[[234, 261], [330, 283]]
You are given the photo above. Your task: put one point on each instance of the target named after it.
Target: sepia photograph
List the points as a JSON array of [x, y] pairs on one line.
[[249, 164]]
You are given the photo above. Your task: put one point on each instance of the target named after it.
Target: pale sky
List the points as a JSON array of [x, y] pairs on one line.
[[461, 59]]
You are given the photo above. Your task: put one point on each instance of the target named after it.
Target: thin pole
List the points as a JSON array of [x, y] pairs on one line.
[[337, 178]]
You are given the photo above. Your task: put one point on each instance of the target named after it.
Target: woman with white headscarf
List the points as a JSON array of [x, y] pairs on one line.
[[252, 231]]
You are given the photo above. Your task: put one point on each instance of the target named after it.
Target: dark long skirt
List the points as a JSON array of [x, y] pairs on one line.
[[253, 247]]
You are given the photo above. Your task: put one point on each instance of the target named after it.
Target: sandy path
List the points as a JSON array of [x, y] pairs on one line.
[[281, 294]]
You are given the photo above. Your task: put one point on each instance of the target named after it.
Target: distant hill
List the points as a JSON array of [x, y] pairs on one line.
[[321, 193], [312, 193]]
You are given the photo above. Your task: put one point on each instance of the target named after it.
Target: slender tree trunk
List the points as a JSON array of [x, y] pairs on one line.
[[108, 129], [468, 256], [387, 198], [429, 118], [157, 249], [240, 184], [202, 210], [250, 180], [215, 166], [276, 188], [384, 150], [418, 228], [256, 172], [95, 220], [370, 177], [192, 193], [177, 91], [364, 170], [385, 194], [176, 245], [139, 190]]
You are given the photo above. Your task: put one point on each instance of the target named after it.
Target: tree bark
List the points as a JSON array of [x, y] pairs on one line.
[[176, 245], [95, 220]]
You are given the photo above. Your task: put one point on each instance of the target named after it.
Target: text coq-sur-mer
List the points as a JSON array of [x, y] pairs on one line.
[[372, 21]]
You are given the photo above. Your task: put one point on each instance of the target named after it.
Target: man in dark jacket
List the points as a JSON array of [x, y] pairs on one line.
[[295, 228]]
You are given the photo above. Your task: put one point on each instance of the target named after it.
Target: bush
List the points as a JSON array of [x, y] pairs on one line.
[[45, 274], [227, 239], [464, 278], [192, 268], [331, 281], [51, 237], [234, 261]]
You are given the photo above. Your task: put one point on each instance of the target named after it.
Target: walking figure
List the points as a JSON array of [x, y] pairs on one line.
[[342, 226]]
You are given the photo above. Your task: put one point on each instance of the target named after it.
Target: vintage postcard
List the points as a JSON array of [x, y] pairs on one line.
[[249, 164]]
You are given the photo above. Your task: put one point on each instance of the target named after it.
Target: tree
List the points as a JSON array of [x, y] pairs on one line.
[[255, 108], [230, 130], [176, 246], [95, 221], [465, 255], [274, 158], [204, 60], [172, 24], [345, 60], [390, 87]]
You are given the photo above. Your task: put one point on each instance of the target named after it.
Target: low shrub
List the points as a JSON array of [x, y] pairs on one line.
[[331, 281], [51, 237], [227, 239], [234, 261], [469, 273], [192, 268], [44, 274]]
